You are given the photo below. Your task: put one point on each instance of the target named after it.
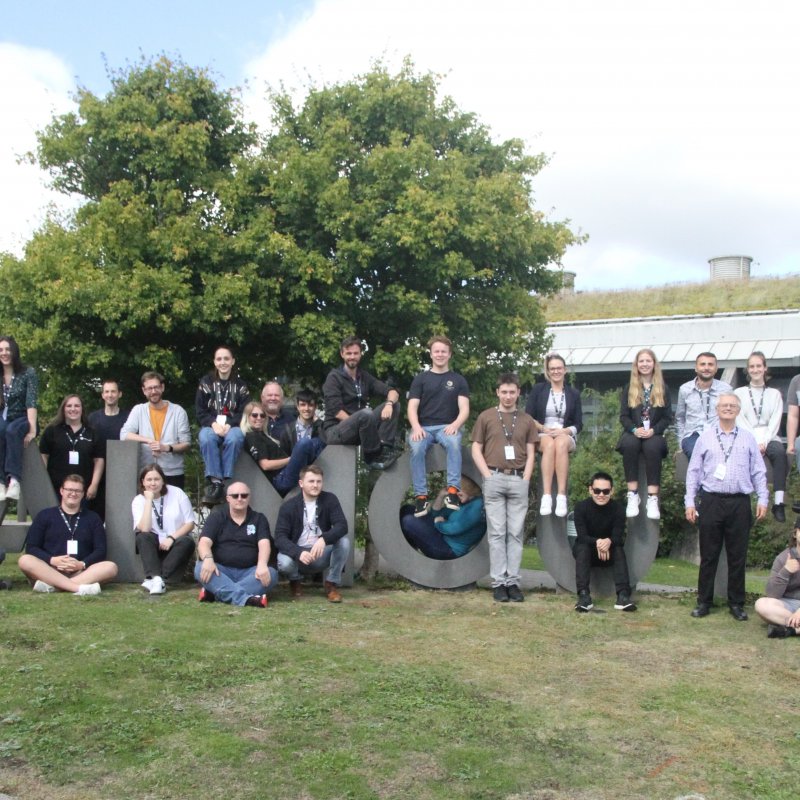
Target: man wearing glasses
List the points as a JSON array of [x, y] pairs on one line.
[[161, 427], [349, 419], [236, 562], [725, 469], [311, 534], [600, 525], [66, 546]]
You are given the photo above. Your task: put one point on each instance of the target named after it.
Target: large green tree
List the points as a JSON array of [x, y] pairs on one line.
[[412, 222], [149, 271]]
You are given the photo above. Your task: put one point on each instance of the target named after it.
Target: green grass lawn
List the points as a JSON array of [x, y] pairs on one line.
[[392, 694]]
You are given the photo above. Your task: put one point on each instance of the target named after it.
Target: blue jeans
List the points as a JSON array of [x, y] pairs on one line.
[[334, 555], [220, 452], [305, 452], [452, 448], [12, 435], [235, 584]]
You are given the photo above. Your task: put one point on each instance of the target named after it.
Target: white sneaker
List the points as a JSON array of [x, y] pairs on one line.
[[12, 493], [546, 506], [561, 505], [147, 583], [652, 507], [88, 589], [2, 491], [633, 505], [157, 585], [44, 588]]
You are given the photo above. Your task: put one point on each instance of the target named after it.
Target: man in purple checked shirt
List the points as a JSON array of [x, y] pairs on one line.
[[725, 469]]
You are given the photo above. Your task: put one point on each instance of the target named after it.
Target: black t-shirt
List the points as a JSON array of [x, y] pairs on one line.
[[237, 545], [261, 446], [58, 441], [108, 427], [438, 394]]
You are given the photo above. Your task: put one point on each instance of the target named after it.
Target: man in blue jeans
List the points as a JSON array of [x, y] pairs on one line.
[[235, 556], [311, 534], [438, 407]]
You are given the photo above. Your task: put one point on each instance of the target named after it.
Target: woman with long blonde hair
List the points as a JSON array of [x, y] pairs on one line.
[[645, 414]]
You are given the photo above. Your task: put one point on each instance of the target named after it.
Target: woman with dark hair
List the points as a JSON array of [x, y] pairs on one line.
[[645, 414], [762, 409], [163, 520], [221, 396], [18, 416], [69, 446], [781, 607], [556, 407]]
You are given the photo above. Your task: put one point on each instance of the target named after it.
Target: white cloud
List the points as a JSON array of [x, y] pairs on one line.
[[34, 85], [673, 128]]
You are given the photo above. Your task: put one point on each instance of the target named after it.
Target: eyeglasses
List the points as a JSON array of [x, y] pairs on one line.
[[71, 491], [604, 492], [256, 415], [239, 496], [148, 389]]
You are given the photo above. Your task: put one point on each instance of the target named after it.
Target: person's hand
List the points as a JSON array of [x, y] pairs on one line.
[[762, 449], [218, 429], [208, 569], [165, 544], [691, 514], [604, 549], [29, 436], [417, 434], [91, 492], [761, 512], [386, 411], [794, 620], [643, 433], [156, 448], [792, 564], [262, 573]]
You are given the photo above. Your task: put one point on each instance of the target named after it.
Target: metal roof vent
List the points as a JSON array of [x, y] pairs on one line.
[[730, 268]]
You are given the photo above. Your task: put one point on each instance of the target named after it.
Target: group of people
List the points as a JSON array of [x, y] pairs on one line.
[[725, 434]]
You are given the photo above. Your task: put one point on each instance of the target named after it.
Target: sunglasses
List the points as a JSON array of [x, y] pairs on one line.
[[256, 415], [604, 492], [239, 496]]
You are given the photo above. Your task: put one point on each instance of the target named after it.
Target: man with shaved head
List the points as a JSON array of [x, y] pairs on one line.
[[236, 560]]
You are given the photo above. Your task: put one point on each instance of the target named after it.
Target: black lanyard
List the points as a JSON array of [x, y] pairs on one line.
[[66, 522], [559, 409], [159, 513], [73, 443], [727, 455], [753, 403], [508, 435]]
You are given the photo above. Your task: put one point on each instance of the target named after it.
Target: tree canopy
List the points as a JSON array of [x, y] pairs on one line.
[[372, 208]]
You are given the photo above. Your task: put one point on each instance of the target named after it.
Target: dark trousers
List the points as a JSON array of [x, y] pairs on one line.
[[167, 564], [586, 557], [176, 480], [421, 534], [366, 428], [723, 519], [653, 449], [776, 454]]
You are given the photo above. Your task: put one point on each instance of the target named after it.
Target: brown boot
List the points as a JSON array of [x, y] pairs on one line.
[[296, 588], [332, 590]]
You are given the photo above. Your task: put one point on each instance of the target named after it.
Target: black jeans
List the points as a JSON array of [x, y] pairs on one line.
[[167, 564], [586, 557]]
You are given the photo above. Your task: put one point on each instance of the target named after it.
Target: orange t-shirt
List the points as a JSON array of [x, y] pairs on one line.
[[157, 417]]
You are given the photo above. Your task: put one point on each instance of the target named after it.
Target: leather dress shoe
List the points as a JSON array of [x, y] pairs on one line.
[[738, 613], [701, 610], [779, 512]]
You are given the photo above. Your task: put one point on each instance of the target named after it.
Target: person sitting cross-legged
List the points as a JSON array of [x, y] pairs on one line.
[[781, 607], [235, 556], [66, 547]]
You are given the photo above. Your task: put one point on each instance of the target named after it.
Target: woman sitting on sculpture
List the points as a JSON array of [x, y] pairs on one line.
[[645, 414], [781, 607]]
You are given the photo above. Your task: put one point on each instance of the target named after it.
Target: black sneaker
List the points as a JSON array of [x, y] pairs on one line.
[[388, 456], [452, 500], [584, 604], [210, 492], [5, 586], [624, 602], [780, 631], [257, 601], [205, 596], [779, 512], [421, 507], [500, 594], [514, 593]]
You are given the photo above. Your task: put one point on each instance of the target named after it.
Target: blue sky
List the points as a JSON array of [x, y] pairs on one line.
[[672, 129]]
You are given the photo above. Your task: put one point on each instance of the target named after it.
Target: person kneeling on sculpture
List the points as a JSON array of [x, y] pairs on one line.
[[781, 607], [235, 556], [163, 520], [311, 534], [600, 525], [445, 534], [66, 547]]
